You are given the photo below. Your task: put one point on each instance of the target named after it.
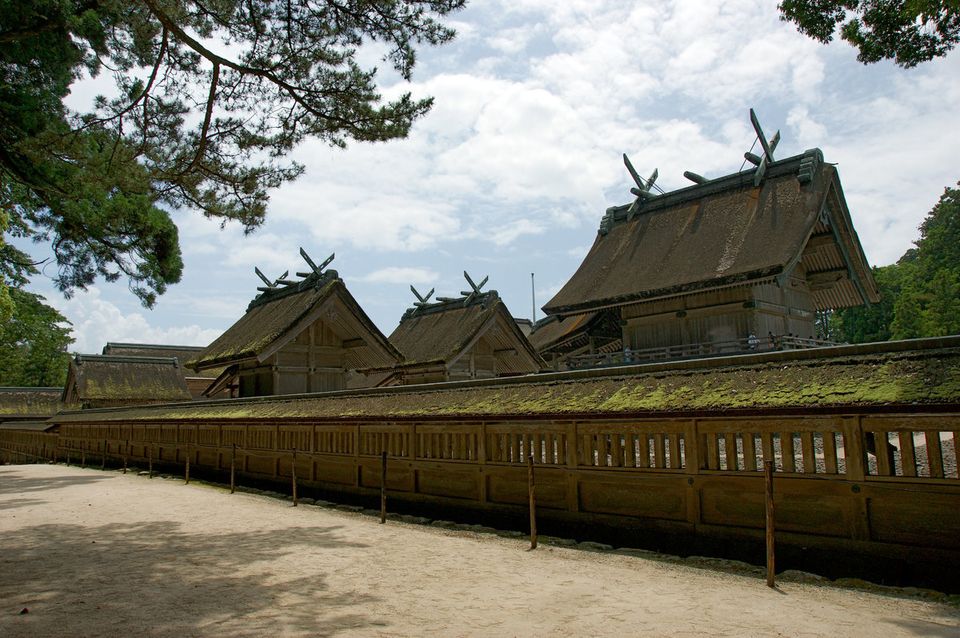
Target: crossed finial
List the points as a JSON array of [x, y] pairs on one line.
[[422, 300], [316, 270], [471, 294], [768, 147], [270, 285], [642, 190]]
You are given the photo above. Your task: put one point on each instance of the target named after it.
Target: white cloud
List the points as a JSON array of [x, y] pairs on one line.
[[534, 104], [97, 321], [510, 232], [401, 275]]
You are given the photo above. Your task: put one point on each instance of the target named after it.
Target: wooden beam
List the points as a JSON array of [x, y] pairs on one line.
[[826, 276], [818, 241]]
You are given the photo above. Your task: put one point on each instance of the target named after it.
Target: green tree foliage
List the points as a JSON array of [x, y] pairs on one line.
[[864, 324], [33, 343], [211, 96], [921, 292], [908, 31], [33, 336]]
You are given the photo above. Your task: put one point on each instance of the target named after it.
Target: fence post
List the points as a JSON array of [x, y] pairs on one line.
[[83, 457], [233, 466], [293, 476], [186, 468], [150, 462], [383, 487], [103, 456], [768, 489], [533, 503], [126, 451]]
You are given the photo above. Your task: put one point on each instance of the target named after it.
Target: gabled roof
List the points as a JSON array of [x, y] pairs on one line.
[[276, 317], [182, 353], [26, 402], [441, 333], [94, 378], [726, 232]]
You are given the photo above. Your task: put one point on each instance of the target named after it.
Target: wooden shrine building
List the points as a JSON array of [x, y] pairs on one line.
[[107, 381], [558, 338], [472, 337], [197, 382], [737, 263], [297, 336]]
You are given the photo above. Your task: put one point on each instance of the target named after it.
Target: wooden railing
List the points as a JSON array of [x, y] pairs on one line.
[[695, 351]]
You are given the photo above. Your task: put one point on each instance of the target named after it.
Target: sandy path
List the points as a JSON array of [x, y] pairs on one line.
[[95, 553]]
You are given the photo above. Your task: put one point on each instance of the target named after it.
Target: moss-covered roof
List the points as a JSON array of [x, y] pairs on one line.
[[183, 354], [276, 316], [440, 332], [29, 401], [108, 378], [844, 376], [261, 325]]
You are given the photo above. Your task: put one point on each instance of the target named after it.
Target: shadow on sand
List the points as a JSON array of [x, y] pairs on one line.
[[156, 579]]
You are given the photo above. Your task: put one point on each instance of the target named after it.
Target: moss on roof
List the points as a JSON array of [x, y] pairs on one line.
[[441, 332], [261, 325], [119, 378], [29, 401], [911, 377]]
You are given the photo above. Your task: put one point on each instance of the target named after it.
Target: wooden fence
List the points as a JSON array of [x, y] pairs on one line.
[[883, 479]]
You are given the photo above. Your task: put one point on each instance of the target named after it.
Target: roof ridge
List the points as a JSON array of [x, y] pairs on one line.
[[160, 346], [451, 304], [119, 358], [805, 165], [312, 281]]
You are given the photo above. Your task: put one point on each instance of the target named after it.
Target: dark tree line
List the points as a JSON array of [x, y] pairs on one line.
[[921, 292]]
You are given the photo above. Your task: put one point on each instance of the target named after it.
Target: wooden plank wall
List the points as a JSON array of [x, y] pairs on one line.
[[835, 476]]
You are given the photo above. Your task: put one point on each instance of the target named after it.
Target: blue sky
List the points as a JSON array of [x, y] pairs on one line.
[[511, 171]]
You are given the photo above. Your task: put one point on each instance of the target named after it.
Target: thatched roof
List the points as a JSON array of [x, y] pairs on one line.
[[443, 332], [183, 354], [277, 317], [29, 402], [914, 373], [108, 380], [727, 232]]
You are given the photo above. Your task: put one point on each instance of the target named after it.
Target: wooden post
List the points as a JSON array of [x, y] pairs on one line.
[[383, 487], [68, 456], [768, 482], [233, 469], [83, 457], [533, 503], [103, 456], [293, 476], [126, 451], [186, 468], [150, 462]]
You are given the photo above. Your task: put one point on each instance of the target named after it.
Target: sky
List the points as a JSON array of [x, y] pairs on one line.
[[510, 173]]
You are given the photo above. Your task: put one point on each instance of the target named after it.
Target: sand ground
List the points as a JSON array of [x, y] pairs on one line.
[[93, 553]]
